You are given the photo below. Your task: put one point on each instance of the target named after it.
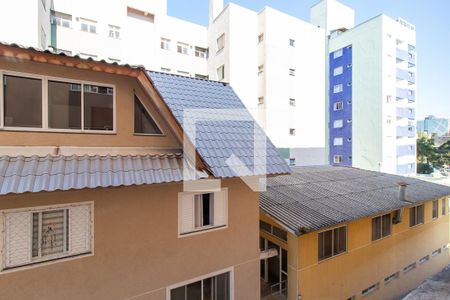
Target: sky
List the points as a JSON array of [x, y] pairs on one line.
[[429, 16]]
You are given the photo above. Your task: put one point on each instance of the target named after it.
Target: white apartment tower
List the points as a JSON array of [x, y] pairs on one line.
[[371, 90]]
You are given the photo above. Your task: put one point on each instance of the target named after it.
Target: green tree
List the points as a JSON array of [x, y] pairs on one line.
[[426, 151]]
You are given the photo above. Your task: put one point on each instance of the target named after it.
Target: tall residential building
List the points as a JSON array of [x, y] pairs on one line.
[[371, 91], [434, 126]]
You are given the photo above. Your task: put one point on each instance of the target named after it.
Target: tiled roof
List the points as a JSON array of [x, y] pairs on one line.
[[35, 174], [226, 128], [312, 198]]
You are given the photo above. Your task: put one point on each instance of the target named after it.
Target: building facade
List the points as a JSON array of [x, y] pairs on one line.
[[434, 126]]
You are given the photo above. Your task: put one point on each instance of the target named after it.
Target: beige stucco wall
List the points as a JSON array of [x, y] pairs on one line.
[[125, 87], [137, 249]]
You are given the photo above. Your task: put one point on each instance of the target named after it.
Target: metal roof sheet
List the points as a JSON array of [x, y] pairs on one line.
[[312, 198], [36, 174], [224, 127]]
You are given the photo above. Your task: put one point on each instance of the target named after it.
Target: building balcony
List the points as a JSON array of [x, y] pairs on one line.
[[406, 131], [408, 56], [406, 169], [404, 150], [406, 75], [406, 112], [406, 94]]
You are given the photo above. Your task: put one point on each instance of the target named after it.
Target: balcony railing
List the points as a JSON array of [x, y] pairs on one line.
[[406, 131], [406, 94], [406, 112], [406, 75], [406, 150]]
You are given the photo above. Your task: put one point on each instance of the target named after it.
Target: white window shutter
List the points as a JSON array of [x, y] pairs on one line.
[[18, 231], [186, 212], [80, 229], [221, 208]]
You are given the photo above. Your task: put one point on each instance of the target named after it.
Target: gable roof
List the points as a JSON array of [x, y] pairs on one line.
[[226, 128], [313, 198]]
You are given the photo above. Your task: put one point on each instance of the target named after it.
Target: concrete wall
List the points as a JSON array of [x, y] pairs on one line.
[[137, 249]]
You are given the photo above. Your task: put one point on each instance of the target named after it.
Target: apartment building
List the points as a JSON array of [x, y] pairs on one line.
[[434, 126], [346, 233], [371, 90], [99, 200]]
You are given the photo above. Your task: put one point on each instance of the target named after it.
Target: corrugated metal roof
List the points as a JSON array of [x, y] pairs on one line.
[[312, 198], [36, 174], [218, 139]]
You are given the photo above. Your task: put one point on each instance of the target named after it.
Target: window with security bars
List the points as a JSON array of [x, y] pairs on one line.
[[381, 227], [332, 242], [37, 235]]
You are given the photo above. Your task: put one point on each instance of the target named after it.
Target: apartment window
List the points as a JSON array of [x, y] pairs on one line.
[[444, 208], [43, 38], [201, 52], [332, 242], [214, 288], [260, 38], [416, 215], [381, 227], [292, 42], [202, 211], [338, 141], [389, 121], [436, 252], [61, 19], [338, 106], [200, 76], [391, 277], [88, 25], [424, 259], [337, 159], [165, 44], [260, 69], [291, 131], [338, 71], [337, 53], [338, 88], [273, 230], [292, 72], [388, 99], [292, 162], [143, 121], [338, 124], [140, 15], [184, 73], [291, 101], [435, 209], [183, 48], [370, 289], [37, 235], [409, 267], [221, 42], [221, 73], [114, 31], [260, 100]]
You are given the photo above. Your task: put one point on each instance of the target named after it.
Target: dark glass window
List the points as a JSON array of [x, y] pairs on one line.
[[265, 226], [64, 105], [444, 209], [204, 209], [332, 242], [381, 227], [416, 215], [435, 209], [22, 102], [279, 233], [143, 122], [98, 107], [212, 288]]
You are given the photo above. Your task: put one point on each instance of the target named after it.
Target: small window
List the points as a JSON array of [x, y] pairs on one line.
[[332, 242], [338, 106], [221, 73], [260, 38], [388, 99], [140, 15], [338, 141], [435, 209], [88, 25], [61, 19], [370, 289], [184, 73], [338, 123], [20, 93], [409, 268], [200, 76], [260, 69], [292, 72], [183, 48], [167, 70], [337, 159], [337, 53], [424, 259], [292, 42], [200, 211], [436, 252], [260, 100], [165, 44], [201, 52], [391, 277], [444, 208], [349, 66], [216, 287], [338, 88], [292, 162], [338, 71], [381, 227], [143, 122], [221, 42], [265, 227], [291, 101], [416, 215], [114, 31], [291, 131]]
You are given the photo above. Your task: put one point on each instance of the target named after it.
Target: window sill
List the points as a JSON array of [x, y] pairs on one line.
[[202, 230], [42, 130], [381, 239], [331, 257], [149, 134]]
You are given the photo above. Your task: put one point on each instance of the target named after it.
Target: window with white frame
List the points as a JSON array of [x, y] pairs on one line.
[[292, 42], [292, 72], [291, 101], [338, 123], [69, 105], [338, 71], [337, 159], [201, 52], [338, 141], [338, 106], [338, 88], [337, 53], [114, 31], [88, 25], [220, 42], [292, 131], [61, 19], [165, 44], [35, 235], [221, 73], [182, 48], [202, 211], [216, 287]]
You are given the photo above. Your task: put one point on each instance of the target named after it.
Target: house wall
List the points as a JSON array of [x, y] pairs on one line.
[[367, 262], [125, 88], [137, 251]]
